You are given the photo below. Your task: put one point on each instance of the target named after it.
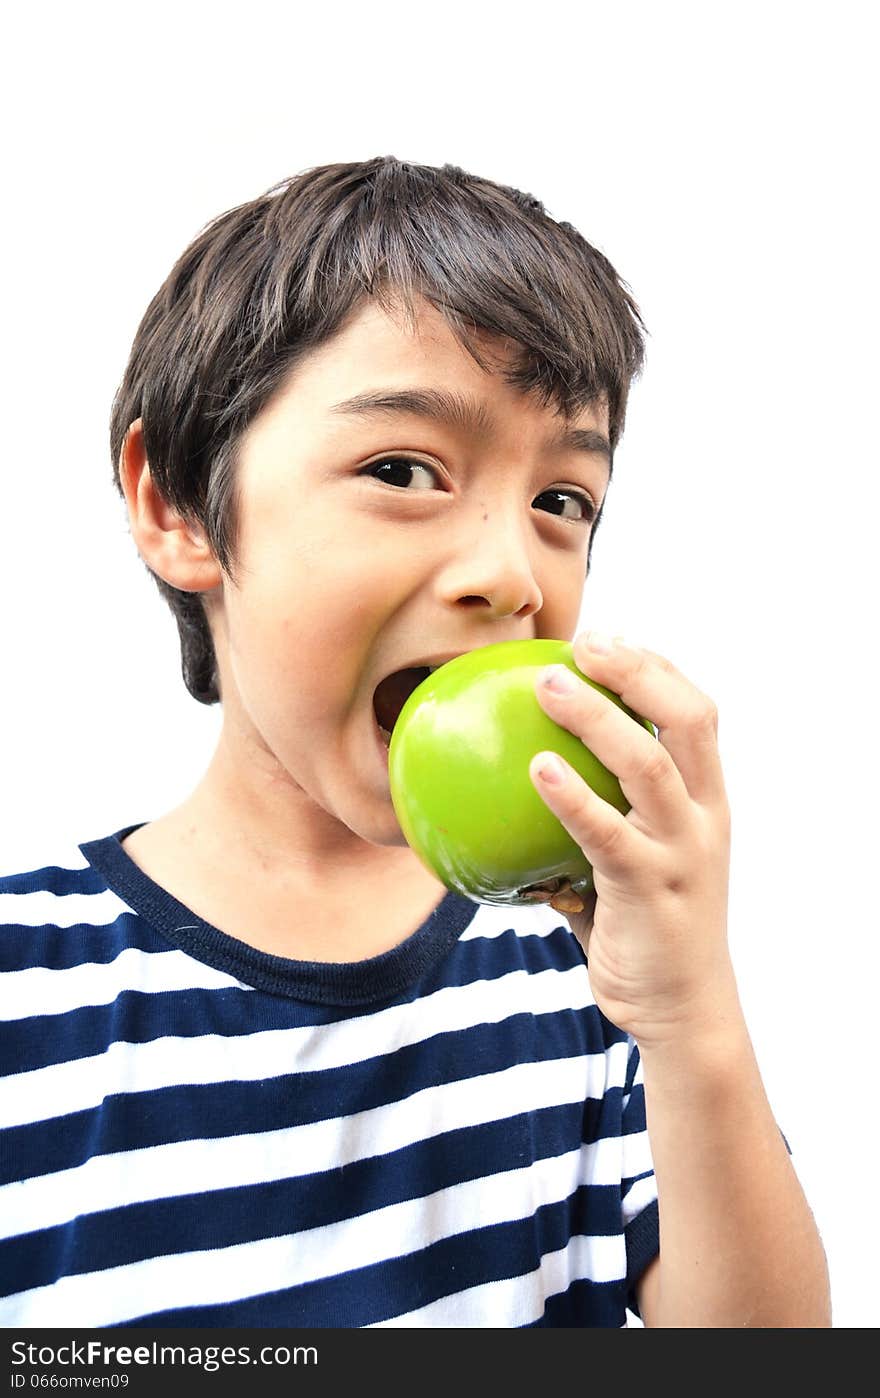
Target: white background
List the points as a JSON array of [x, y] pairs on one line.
[[723, 158]]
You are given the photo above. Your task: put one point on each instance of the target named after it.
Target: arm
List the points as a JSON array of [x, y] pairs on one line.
[[739, 1246]]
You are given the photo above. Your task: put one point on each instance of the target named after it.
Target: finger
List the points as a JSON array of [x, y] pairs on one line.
[[649, 779], [612, 844], [686, 718]]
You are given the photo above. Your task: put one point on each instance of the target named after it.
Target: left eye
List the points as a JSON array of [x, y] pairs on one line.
[[589, 509], [400, 466]]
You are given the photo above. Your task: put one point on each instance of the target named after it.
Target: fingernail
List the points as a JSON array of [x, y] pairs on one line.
[[600, 642], [560, 679], [550, 769]]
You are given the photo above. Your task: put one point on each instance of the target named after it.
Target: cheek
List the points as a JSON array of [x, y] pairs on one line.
[[301, 634]]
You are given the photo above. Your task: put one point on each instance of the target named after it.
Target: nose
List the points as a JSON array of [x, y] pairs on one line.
[[491, 567]]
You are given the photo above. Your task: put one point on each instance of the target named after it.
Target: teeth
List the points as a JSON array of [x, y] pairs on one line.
[[385, 734]]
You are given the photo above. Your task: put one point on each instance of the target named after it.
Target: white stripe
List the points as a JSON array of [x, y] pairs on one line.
[[635, 1154], [217, 1275], [517, 1301], [179, 1168], [45, 909], [84, 1082], [71, 858], [641, 1194], [539, 920], [40, 991]]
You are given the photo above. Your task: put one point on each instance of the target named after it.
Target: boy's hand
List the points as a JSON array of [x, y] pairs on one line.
[[656, 929]]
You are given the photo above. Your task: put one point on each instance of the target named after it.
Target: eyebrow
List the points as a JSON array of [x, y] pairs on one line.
[[464, 412]]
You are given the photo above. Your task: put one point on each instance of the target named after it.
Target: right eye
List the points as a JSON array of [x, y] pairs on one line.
[[400, 467]]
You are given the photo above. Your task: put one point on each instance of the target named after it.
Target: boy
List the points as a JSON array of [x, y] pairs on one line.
[[266, 1070]]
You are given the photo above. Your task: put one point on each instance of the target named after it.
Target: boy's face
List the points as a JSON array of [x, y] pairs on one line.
[[348, 573]]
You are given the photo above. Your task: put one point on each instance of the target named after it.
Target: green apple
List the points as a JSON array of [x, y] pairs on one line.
[[458, 767]]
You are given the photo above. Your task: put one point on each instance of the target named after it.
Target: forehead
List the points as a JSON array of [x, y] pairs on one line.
[[376, 351]]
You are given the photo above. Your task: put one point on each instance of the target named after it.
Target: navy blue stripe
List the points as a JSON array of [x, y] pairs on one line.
[[586, 1302], [139, 1017], [634, 1118], [222, 1218], [129, 1121], [628, 1181], [52, 878], [369, 1294], [62, 948]]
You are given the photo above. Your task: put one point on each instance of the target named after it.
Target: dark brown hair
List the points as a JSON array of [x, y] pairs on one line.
[[267, 282]]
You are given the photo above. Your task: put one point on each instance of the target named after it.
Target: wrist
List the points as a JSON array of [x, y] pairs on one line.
[[709, 1023]]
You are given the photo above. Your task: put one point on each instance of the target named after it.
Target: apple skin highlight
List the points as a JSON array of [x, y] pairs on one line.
[[458, 768]]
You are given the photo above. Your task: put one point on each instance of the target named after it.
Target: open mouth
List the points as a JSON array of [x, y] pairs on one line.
[[392, 693]]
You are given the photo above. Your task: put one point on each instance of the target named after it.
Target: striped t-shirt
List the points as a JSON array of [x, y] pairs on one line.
[[197, 1133]]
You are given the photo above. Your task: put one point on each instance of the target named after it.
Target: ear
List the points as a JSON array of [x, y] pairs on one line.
[[177, 551]]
